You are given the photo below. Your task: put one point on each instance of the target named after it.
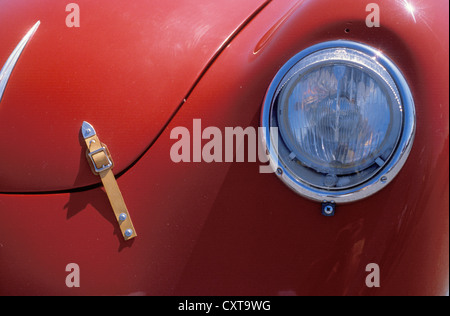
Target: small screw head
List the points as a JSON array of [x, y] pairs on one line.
[[328, 208], [383, 179], [280, 171], [122, 217], [330, 180], [128, 233]]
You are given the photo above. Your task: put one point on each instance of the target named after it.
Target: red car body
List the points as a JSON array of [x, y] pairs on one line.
[[139, 69]]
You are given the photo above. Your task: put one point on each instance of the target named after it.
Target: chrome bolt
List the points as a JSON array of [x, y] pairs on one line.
[[328, 210], [128, 232], [330, 180], [122, 217]]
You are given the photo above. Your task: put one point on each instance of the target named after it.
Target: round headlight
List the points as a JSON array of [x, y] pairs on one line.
[[346, 121]]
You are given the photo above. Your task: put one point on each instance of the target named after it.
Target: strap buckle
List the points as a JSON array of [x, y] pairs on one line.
[[101, 164], [104, 167]]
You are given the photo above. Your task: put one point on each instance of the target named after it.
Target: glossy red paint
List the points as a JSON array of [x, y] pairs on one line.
[[226, 229], [127, 68]]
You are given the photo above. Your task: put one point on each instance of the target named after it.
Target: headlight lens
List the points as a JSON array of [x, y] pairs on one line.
[[342, 110]]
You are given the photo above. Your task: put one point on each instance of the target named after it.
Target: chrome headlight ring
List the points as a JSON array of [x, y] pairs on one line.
[[346, 121]]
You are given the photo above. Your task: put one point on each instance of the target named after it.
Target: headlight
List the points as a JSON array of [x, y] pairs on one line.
[[346, 119]]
